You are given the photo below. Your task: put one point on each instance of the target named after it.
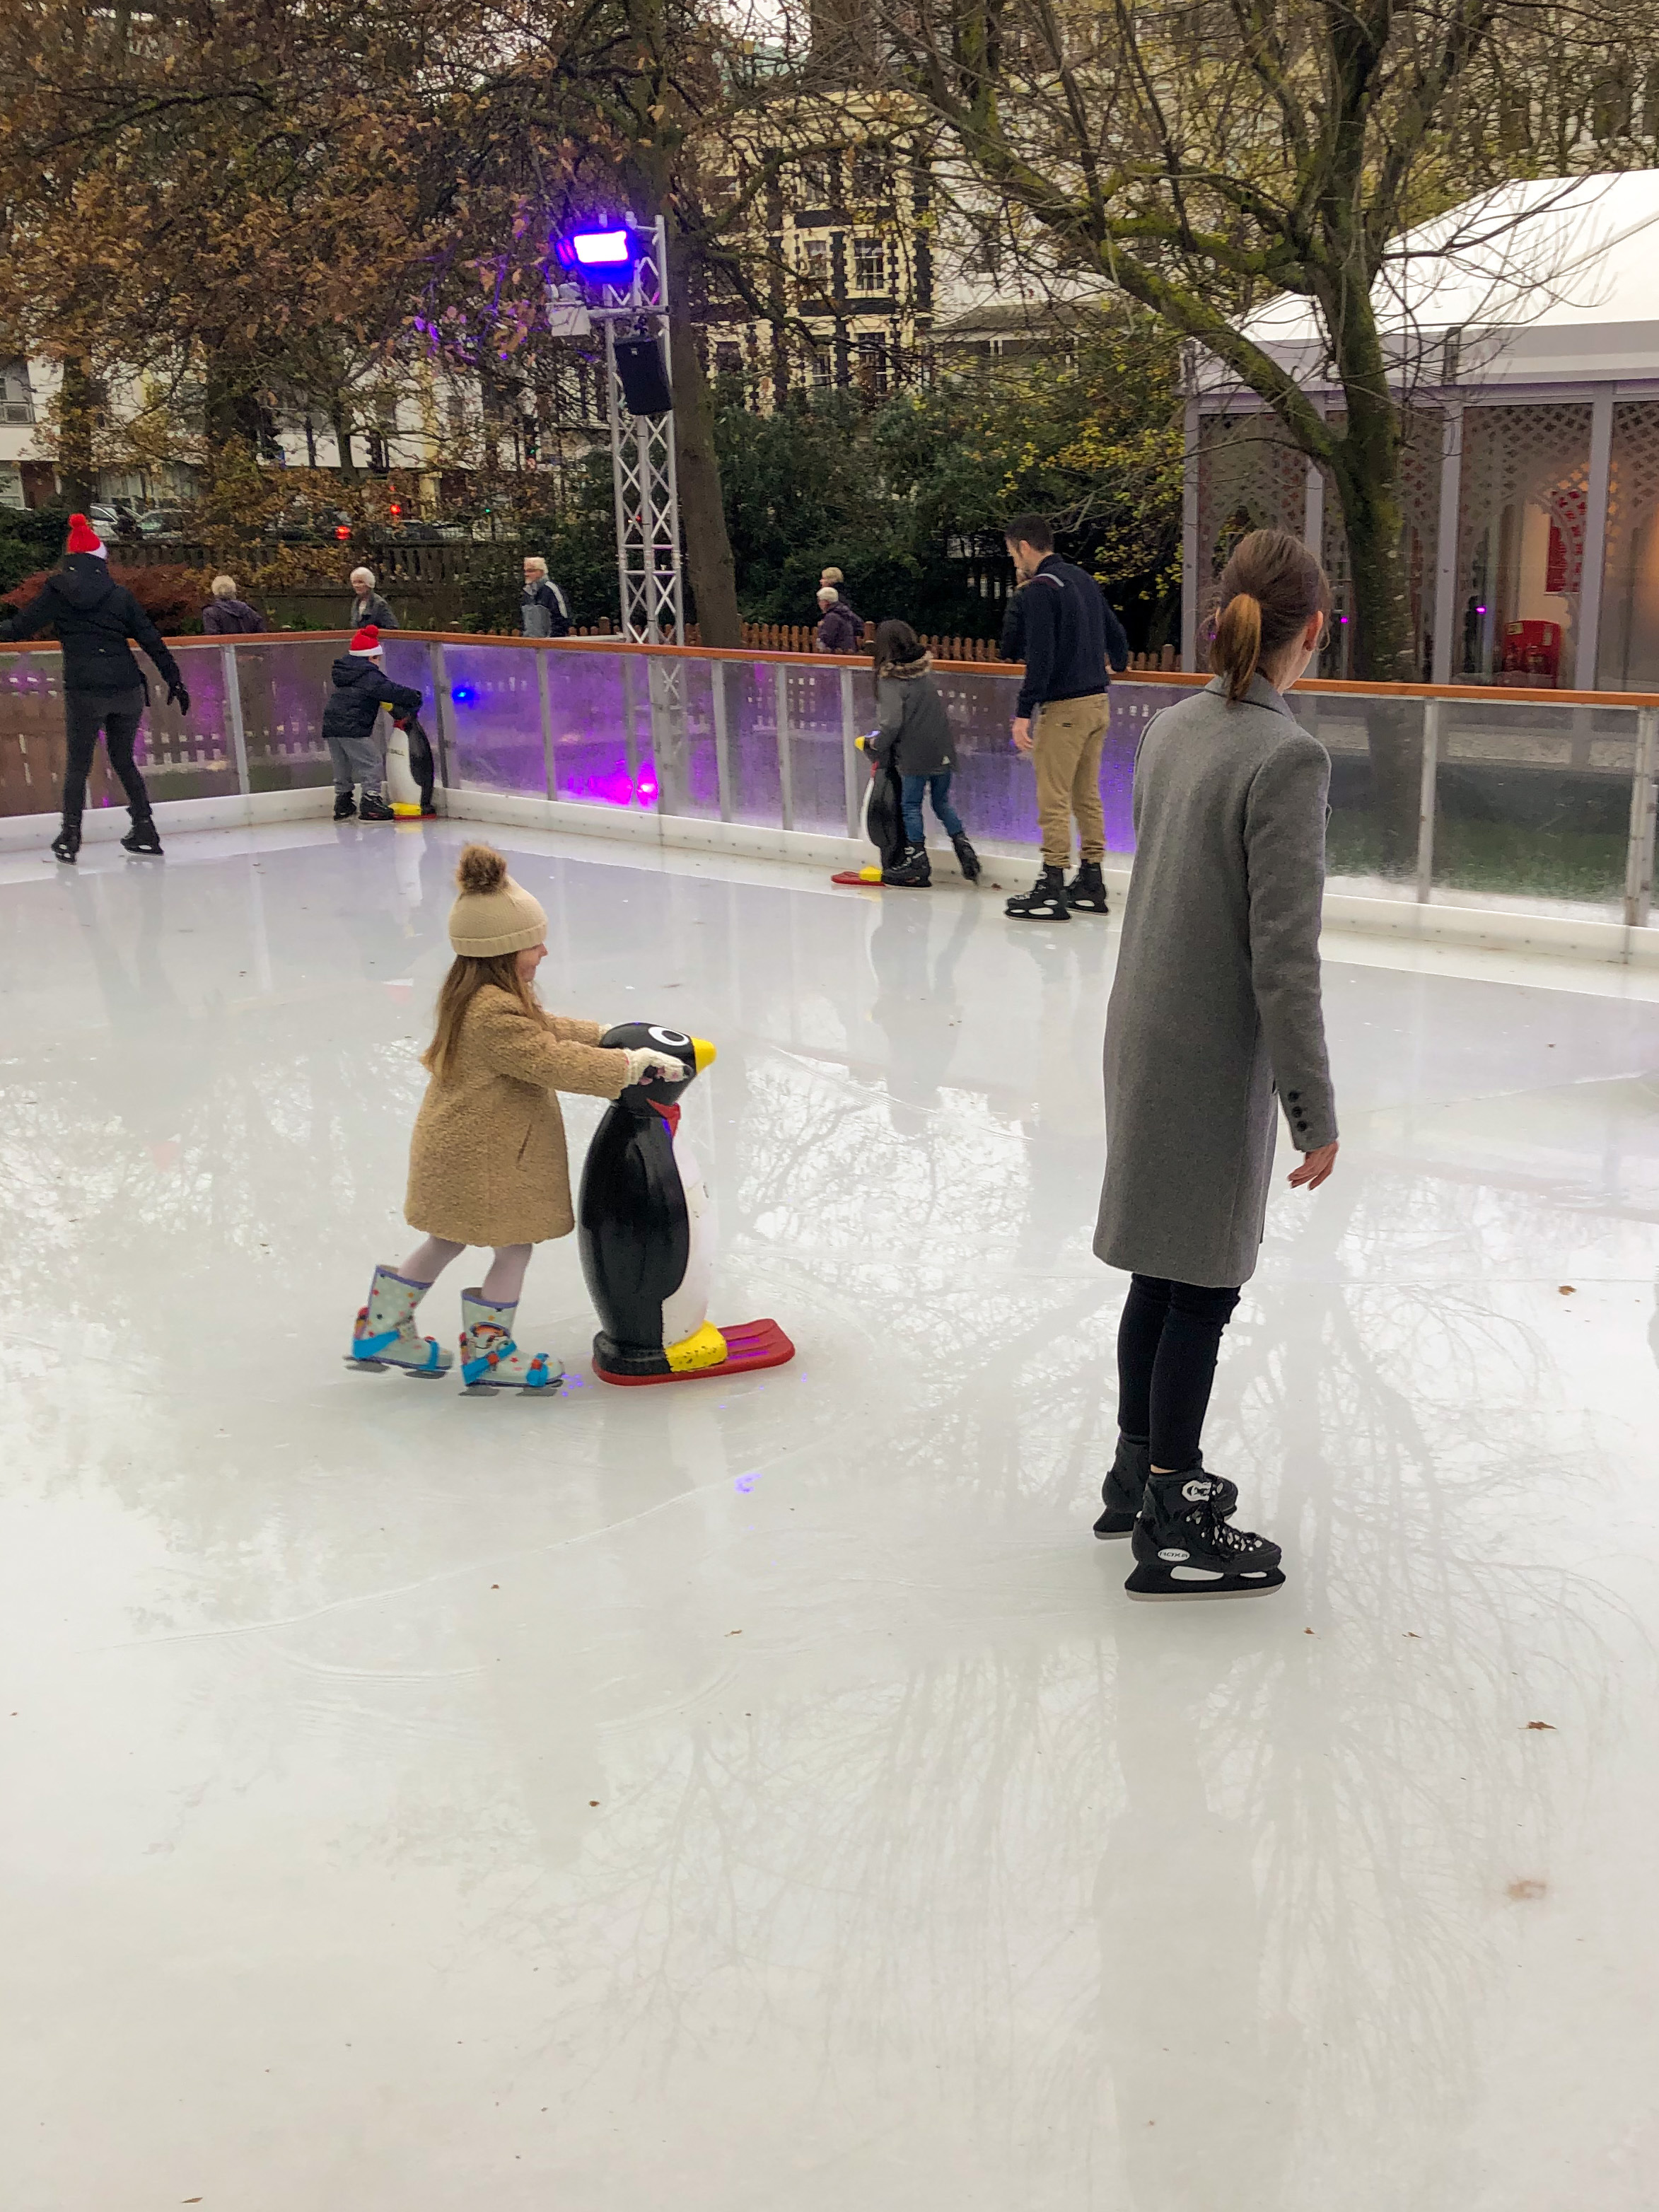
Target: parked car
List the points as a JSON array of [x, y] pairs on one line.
[[300, 525], [161, 522], [105, 521]]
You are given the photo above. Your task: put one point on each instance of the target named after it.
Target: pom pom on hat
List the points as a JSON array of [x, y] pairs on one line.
[[83, 538], [493, 914], [368, 640]]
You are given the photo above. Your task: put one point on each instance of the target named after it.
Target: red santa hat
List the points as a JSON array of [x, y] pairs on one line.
[[83, 538], [367, 641]]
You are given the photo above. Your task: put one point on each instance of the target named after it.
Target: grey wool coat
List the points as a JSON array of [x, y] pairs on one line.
[[1216, 1001]]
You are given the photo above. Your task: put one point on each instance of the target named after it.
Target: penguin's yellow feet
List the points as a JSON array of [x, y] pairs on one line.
[[704, 1347]]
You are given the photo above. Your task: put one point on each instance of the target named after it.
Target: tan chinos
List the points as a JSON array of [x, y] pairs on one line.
[[1070, 735]]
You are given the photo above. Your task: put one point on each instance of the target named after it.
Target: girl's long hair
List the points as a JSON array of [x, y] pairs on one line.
[[465, 979], [1269, 588], [896, 644]]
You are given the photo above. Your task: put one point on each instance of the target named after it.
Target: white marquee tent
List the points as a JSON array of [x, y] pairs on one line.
[[1523, 332]]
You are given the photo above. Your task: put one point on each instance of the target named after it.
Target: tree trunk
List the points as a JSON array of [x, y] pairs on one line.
[[77, 401], [702, 508], [340, 416]]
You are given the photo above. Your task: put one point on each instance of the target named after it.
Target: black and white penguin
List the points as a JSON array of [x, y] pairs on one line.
[[645, 1224]]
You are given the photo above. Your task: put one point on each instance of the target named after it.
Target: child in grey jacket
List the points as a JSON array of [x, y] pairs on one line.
[[914, 732]]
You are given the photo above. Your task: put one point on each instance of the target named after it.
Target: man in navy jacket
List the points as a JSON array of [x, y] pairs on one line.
[[1061, 716]]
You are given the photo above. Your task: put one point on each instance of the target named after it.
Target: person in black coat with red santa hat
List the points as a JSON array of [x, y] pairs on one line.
[[93, 617]]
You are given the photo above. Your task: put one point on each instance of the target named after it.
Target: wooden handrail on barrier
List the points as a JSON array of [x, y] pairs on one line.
[[1174, 679]]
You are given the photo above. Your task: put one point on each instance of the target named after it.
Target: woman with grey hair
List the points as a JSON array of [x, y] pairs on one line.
[[226, 615], [367, 607], [1215, 1013]]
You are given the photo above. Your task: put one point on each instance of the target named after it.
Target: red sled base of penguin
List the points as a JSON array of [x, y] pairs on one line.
[[646, 1232]]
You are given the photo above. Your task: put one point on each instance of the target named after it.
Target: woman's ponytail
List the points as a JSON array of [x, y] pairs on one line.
[[1271, 588], [1237, 652]]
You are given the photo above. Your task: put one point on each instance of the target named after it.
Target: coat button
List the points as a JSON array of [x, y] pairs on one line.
[[1293, 1095]]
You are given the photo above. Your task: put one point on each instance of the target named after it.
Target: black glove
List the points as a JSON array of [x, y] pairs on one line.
[[178, 696]]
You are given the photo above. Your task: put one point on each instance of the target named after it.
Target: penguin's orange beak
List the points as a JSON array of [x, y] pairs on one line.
[[702, 1052]]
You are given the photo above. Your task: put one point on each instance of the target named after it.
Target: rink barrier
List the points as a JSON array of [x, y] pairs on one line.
[[1534, 816]]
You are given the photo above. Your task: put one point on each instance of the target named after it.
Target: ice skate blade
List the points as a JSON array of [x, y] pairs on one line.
[[1156, 1586], [379, 1367], [521, 1389]]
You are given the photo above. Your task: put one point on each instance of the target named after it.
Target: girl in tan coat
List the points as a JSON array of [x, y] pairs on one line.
[[488, 1163]]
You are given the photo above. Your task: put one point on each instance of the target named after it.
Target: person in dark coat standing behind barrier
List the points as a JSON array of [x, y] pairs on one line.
[[362, 688], [1215, 1023], [226, 615], [544, 610], [93, 617], [368, 607], [837, 631], [1061, 717]]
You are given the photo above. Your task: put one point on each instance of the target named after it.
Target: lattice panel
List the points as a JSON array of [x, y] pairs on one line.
[[1249, 478], [1515, 457], [1419, 490]]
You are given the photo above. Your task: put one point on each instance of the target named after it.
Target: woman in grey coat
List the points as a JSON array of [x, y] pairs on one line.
[[1214, 1014]]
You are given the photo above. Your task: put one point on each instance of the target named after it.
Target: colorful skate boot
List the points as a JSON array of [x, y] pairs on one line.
[[1185, 1547], [386, 1335], [1124, 1490], [489, 1358]]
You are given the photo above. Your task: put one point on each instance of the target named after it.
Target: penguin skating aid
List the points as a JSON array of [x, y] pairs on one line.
[[645, 1226], [884, 824]]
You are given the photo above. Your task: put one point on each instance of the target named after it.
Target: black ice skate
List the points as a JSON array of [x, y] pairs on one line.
[[1086, 892], [1124, 1490], [967, 858], [374, 809], [1044, 901], [67, 843], [141, 838], [912, 872], [1185, 1547], [345, 806]]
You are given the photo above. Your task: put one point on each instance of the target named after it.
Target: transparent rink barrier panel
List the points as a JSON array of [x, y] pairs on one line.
[[1532, 805], [1376, 747], [284, 683], [181, 755]]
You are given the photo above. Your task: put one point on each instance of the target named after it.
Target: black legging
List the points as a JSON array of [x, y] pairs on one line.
[[1166, 1343], [117, 715]]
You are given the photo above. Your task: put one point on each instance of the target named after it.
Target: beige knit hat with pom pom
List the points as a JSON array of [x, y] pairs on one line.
[[493, 914]]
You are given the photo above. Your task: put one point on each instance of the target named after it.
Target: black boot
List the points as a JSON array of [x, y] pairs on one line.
[[967, 858], [1087, 888], [67, 843], [1185, 1547], [1045, 901], [1123, 1493], [914, 871], [345, 806], [141, 838], [374, 808]]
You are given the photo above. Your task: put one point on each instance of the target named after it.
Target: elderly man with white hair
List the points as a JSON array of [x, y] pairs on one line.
[[544, 610], [367, 605]]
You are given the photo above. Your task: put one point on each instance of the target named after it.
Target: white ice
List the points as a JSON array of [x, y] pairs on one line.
[[760, 1797]]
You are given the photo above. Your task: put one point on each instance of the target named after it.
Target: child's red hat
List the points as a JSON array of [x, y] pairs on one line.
[[82, 538], [366, 640]]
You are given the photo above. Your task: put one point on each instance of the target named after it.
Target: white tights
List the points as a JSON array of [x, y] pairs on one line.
[[501, 1286]]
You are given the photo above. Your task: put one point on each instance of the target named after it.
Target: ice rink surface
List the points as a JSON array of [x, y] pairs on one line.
[[760, 1796]]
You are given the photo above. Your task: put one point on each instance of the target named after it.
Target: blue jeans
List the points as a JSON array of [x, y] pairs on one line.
[[936, 787]]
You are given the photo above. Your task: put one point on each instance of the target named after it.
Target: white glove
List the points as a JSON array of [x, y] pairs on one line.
[[643, 1063]]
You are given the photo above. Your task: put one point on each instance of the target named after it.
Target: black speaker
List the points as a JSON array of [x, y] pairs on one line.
[[644, 379]]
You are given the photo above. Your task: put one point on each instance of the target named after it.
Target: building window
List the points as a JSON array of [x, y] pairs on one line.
[[869, 265], [16, 400], [872, 173], [816, 184], [872, 366], [815, 262], [728, 358], [819, 364]]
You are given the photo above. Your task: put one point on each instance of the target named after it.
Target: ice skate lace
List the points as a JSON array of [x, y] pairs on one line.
[[1200, 1497]]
